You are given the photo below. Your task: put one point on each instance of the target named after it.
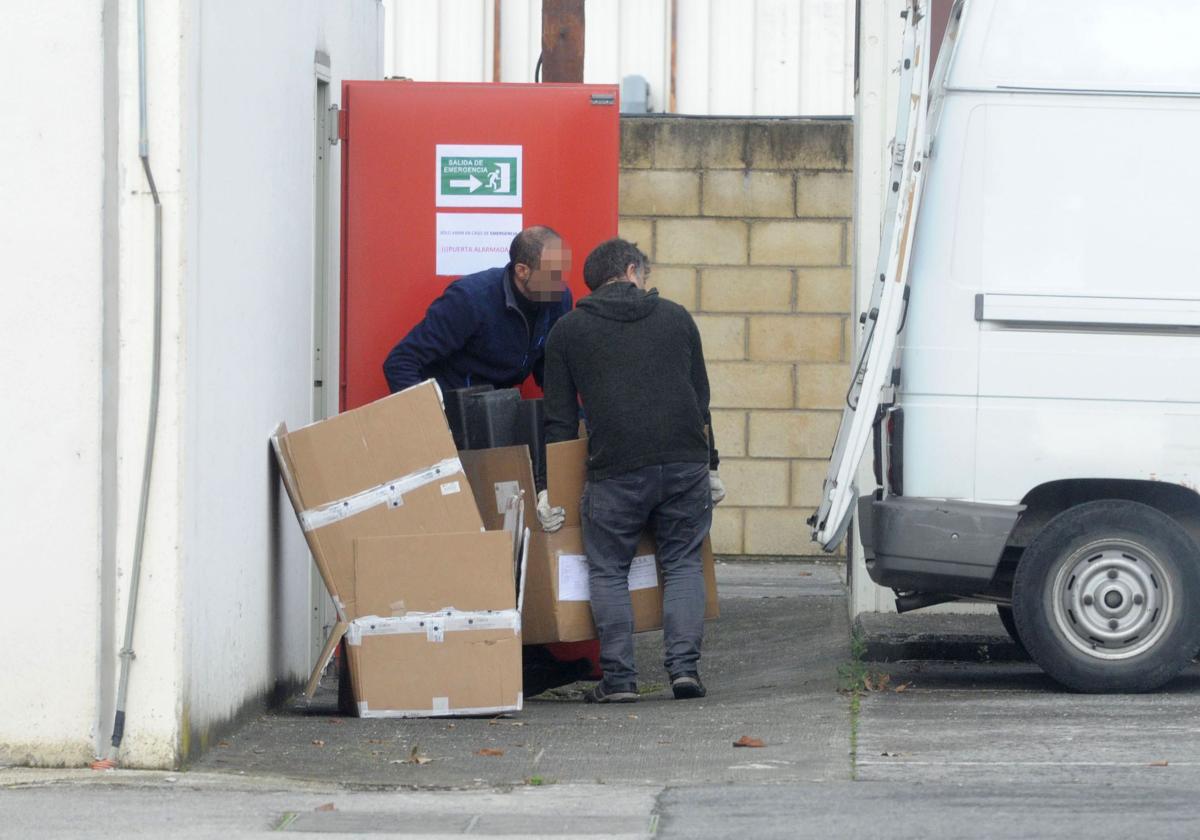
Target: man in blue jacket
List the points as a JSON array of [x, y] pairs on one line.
[[489, 328]]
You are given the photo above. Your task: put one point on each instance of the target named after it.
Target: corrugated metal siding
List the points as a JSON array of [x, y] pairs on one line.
[[744, 57]]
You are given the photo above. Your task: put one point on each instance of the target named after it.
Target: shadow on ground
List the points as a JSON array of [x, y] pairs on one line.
[[770, 663]]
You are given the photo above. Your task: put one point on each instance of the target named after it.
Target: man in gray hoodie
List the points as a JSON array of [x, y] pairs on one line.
[[635, 363]]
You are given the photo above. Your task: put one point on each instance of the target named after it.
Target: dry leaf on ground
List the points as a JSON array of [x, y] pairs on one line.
[[1159, 763], [317, 742], [902, 687], [328, 806], [747, 741], [876, 682], [489, 751]]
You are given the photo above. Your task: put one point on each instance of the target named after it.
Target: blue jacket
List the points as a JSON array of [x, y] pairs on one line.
[[475, 334]]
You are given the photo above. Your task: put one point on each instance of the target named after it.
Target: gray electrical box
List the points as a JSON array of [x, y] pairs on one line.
[[635, 95]]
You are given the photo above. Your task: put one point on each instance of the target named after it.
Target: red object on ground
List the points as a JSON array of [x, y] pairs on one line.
[[571, 651], [393, 189]]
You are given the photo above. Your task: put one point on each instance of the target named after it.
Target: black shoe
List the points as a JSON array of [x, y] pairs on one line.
[[688, 687], [599, 694]]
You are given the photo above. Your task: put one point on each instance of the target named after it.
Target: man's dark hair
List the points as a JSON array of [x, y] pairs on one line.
[[527, 246], [609, 260]]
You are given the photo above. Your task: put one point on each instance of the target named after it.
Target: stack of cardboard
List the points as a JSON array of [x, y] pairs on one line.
[[426, 596], [426, 551]]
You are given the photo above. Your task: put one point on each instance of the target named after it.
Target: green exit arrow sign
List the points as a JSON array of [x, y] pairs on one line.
[[478, 176]]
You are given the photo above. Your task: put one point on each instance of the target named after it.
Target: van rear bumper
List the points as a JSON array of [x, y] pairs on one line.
[[934, 545]]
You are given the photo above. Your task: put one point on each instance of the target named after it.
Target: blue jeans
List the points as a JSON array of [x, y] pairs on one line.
[[675, 501]]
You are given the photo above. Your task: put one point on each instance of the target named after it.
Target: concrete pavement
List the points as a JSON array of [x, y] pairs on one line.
[[770, 664], [1007, 723], [965, 750]]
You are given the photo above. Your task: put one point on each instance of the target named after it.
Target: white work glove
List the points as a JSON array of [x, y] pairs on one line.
[[716, 487], [551, 518]]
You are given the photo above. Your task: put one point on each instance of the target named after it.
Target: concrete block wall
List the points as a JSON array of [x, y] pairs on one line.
[[747, 224]]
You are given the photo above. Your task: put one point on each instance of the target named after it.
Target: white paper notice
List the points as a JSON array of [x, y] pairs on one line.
[[470, 242], [573, 578], [643, 574]]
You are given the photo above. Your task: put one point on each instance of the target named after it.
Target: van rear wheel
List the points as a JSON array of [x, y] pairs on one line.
[[1107, 597]]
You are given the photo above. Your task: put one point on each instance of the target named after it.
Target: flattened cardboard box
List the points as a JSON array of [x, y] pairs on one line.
[[436, 666], [395, 576], [388, 468], [556, 608], [496, 475], [443, 631]]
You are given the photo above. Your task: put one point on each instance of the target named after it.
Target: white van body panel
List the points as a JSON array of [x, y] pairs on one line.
[[1054, 327], [1106, 45]]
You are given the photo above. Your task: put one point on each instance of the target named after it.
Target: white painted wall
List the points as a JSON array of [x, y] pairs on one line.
[[151, 733], [51, 180], [763, 57], [249, 301], [225, 588]]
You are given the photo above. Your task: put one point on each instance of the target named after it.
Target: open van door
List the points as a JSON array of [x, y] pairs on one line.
[[884, 316]]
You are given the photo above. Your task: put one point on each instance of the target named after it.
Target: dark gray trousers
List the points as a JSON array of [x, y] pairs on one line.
[[675, 501]]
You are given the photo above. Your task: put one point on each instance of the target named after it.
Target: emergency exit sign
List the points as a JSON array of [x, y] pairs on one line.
[[478, 176]]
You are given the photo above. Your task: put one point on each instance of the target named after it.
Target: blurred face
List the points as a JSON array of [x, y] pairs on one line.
[[547, 282]]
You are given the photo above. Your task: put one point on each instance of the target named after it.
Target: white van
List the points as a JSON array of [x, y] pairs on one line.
[[1037, 424]]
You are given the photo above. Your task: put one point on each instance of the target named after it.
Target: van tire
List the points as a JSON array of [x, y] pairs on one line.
[[1010, 627], [1107, 597]]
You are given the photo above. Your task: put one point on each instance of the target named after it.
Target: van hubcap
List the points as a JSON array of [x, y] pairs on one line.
[[1112, 599]]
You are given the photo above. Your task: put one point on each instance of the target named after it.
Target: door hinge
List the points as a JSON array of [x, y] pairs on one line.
[[336, 129]]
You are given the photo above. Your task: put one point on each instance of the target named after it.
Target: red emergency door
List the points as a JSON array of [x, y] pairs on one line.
[[436, 179]]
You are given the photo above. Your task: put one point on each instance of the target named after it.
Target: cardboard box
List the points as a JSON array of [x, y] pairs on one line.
[[395, 576], [556, 608], [444, 636], [463, 664], [556, 605], [387, 469], [496, 475]]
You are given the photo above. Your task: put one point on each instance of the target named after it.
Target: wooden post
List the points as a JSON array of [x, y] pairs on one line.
[[496, 41], [562, 40]]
